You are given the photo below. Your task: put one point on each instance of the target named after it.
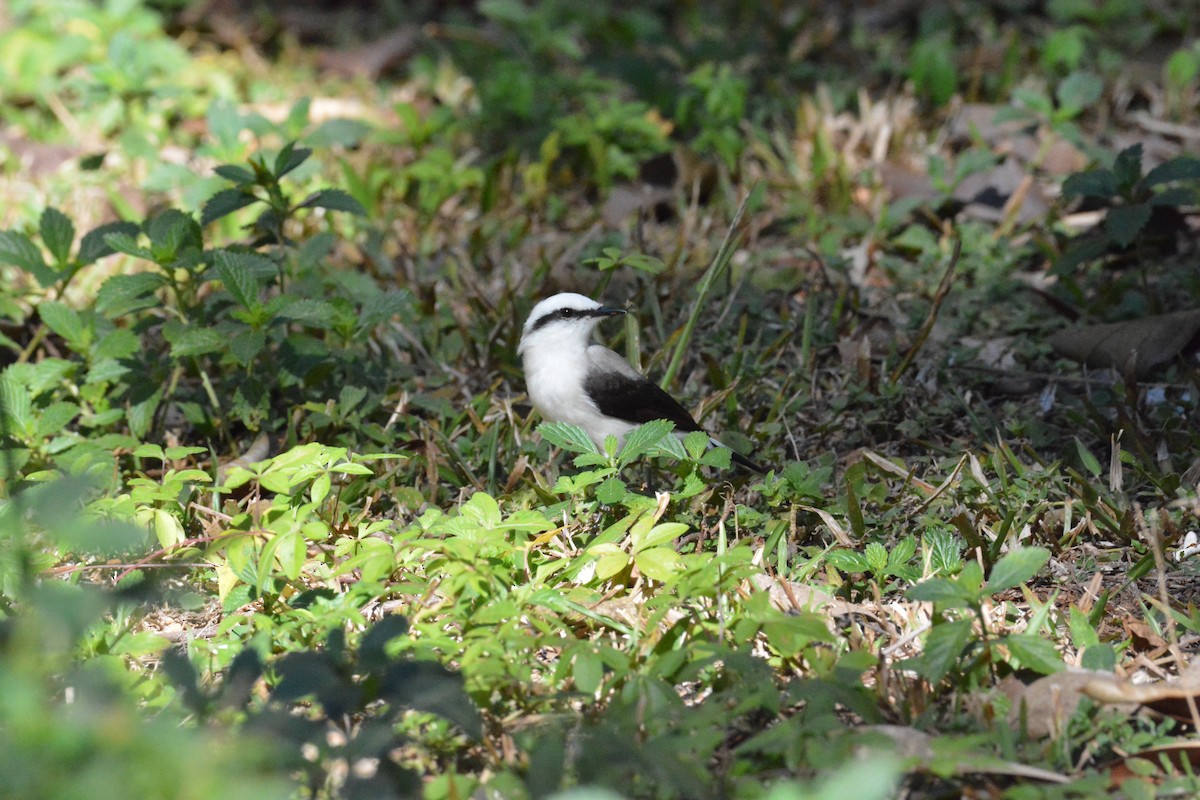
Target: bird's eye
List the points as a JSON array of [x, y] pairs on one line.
[[567, 313]]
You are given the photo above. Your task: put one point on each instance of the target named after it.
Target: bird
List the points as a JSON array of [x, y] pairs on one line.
[[571, 379]]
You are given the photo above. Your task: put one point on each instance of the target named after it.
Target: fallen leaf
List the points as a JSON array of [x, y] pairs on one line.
[[1141, 344]]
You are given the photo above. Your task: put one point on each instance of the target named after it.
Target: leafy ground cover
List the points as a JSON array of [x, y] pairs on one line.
[[277, 521]]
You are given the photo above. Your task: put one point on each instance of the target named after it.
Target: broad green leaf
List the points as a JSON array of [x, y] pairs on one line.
[[1180, 168], [52, 419], [610, 564], [947, 591], [1034, 652], [483, 510], [611, 491], [661, 533], [289, 158], [1124, 223], [140, 413], [123, 241], [246, 346], [943, 647], [94, 246], [16, 403], [124, 294], [58, 234], [1101, 657], [639, 440], [569, 437], [334, 200], [696, 444], [224, 203], [236, 272], [194, 341], [67, 323], [19, 250], [1017, 567], [902, 553], [587, 672], [1100, 183], [1078, 91], [149, 450], [171, 232], [319, 490], [848, 561], [314, 313], [659, 563]]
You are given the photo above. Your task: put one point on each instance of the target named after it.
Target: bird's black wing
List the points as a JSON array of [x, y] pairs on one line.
[[636, 400]]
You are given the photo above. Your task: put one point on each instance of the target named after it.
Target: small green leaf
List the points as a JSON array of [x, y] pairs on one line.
[[946, 591], [587, 671], [696, 444], [235, 174], [289, 158], [236, 272], [334, 200], [1101, 657], [94, 247], [904, 550], [224, 203], [943, 647], [1124, 223], [55, 417], [1127, 167], [1078, 91], [1099, 183], [58, 234], [1034, 652], [66, 322], [19, 250], [569, 437], [1089, 461], [1180, 168], [848, 561], [661, 533], [123, 241], [1017, 567], [611, 491], [876, 557]]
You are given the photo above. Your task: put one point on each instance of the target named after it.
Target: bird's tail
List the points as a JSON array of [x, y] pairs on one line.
[[739, 459]]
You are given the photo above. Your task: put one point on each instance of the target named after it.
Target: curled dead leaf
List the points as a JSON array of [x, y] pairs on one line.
[[1141, 345]]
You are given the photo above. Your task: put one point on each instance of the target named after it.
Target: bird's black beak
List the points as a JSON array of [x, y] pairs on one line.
[[608, 311]]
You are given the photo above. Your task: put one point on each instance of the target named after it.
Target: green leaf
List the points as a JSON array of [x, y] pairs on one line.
[[314, 313], [1078, 91], [1100, 183], [1180, 168], [66, 322], [289, 158], [1080, 251], [1127, 168], [171, 232], [334, 200], [123, 294], [848, 561], [54, 418], [58, 234], [16, 403], [1124, 223], [236, 272], [876, 556], [696, 444], [123, 241], [94, 247], [943, 647], [659, 563], [611, 491], [947, 591], [1034, 652], [246, 346], [902, 553], [932, 70], [1017, 567], [140, 414], [661, 533], [1089, 461], [195, 341], [587, 671], [235, 174], [639, 440], [1101, 657], [19, 250], [569, 437], [224, 203]]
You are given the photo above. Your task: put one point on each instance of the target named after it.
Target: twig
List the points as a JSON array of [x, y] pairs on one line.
[[923, 334]]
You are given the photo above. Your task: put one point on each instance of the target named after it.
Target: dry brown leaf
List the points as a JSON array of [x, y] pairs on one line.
[[1170, 699], [1141, 344], [1048, 703]]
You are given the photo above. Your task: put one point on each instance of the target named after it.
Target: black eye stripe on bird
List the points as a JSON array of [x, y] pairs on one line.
[[570, 379]]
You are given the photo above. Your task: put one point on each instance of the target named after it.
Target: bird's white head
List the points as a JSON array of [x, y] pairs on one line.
[[563, 322]]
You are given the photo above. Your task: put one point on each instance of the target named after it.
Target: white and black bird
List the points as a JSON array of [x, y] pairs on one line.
[[571, 379]]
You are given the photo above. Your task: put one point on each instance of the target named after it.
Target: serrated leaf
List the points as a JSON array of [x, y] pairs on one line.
[[1175, 196], [1181, 168], [246, 346], [195, 341], [58, 234], [1078, 91], [1124, 223], [140, 414], [1099, 183], [639, 441], [18, 250], [877, 557], [171, 232], [52, 419], [334, 200], [289, 158], [235, 174], [94, 247], [943, 647], [848, 561], [224, 203], [904, 550], [127, 243], [1080, 251], [122, 294], [611, 491], [569, 437], [696, 444], [236, 272], [16, 403], [1017, 567], [1127, 167], [315, 313], [64, 321]]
